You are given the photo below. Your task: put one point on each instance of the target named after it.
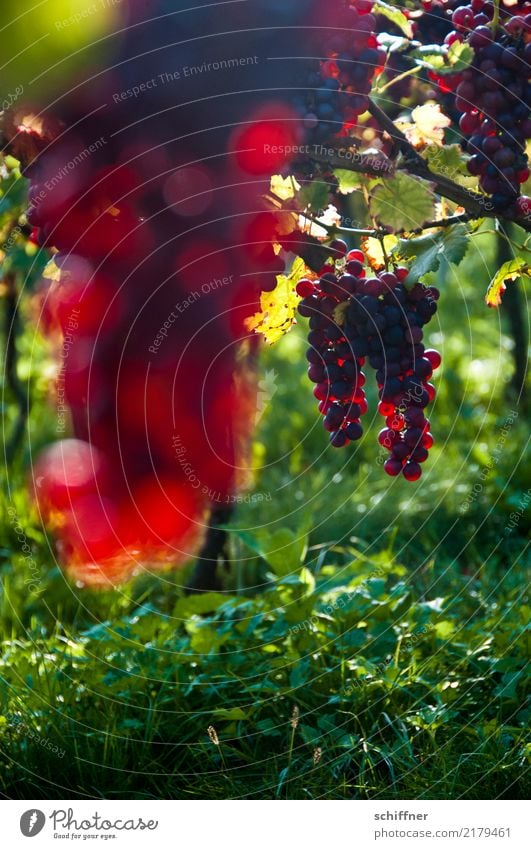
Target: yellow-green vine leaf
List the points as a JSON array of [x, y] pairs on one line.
[[374, 250], [395, 16], [443, 60], [509, 272], [279, 307], [284, 188], [51, 271]]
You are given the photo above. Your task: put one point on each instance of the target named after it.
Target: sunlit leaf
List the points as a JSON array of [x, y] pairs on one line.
[[284, 188], [395, 16], [509, 272], [443, 60], [448, 160], [393, 43], [279, 307], [52, 271], [425, 253], [427, 125], [349, 181], [329, 218], [374, 251], [402, 203]]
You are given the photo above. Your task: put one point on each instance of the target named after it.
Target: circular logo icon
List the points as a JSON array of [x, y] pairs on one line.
[[32, 822]]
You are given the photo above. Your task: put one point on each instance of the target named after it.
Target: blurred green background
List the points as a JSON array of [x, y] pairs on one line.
[[371, 638]]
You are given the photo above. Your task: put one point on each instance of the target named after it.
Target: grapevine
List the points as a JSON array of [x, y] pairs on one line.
[[180, 237]]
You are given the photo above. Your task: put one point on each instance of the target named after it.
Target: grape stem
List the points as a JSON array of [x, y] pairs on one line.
[[496, 17], [384, 252], [414, 70]]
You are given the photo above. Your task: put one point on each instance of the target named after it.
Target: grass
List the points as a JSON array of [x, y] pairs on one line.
[[371, 640]]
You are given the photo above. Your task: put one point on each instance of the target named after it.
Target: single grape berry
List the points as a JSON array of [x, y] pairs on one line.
[[412, 471], [305, 288], [338, 248]]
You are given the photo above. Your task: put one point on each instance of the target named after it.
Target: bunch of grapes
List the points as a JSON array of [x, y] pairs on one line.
[[493, 97], [337, 90], [433, 25], [335, 363], [404, 378], [356, 319]]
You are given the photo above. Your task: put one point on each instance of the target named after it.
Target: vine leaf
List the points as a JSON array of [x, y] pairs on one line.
[[284, 188], [509, 272], [52, 272], [402, 203], [349, 181], [279, 307], [395, 16], [373, 250], [424, 254], [314, 195], [449, 162], [445, 61], [328, 218], [428, 125]]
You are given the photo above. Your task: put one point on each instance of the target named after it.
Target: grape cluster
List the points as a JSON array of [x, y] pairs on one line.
[[493, 97], [356, 319], [337, 90], [335, 365]]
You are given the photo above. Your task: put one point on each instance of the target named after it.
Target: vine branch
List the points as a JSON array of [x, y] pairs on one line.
[[474, 204], [400, 141]]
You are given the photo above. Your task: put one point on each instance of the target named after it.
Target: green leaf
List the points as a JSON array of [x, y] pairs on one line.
[[300, 674], [402, 202], [460, 56], [448, 160], [395, 16], [349, 181], [283, 550], [444, 629], [424, 254], [509, 272], [314, 195], [443, 61], [199, 604], [233, 713], [307, 579], [13, 195], [508, 689]]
